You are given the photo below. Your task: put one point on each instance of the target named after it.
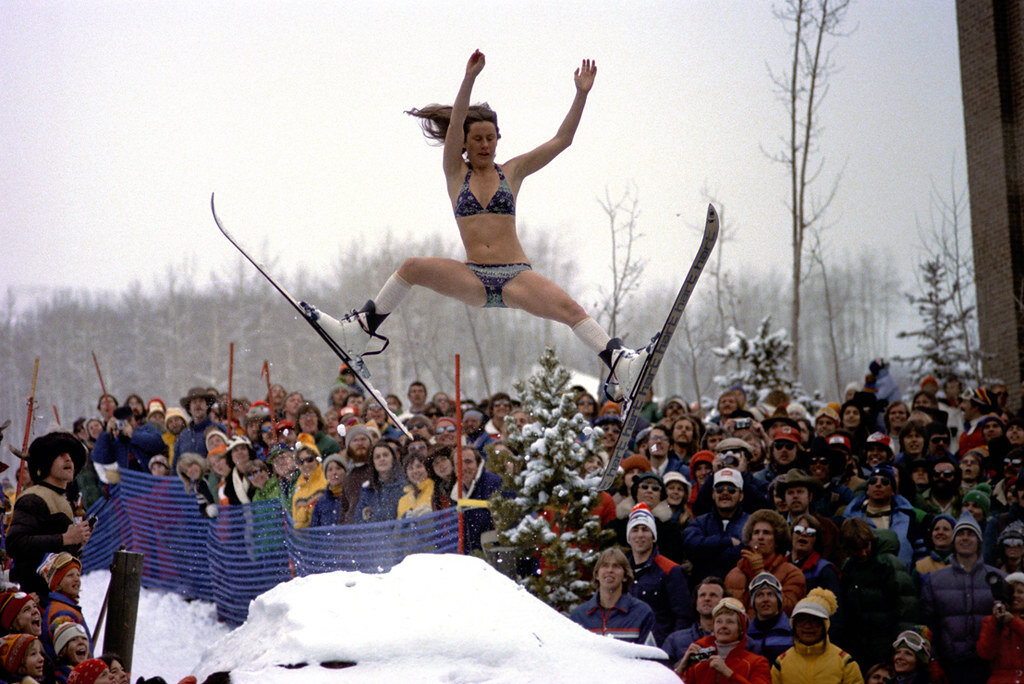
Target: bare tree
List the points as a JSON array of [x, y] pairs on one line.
[[626, 268], [802, 88]]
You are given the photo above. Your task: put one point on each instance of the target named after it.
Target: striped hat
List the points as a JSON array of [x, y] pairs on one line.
[[13, 648], [66, 631], [641, 515], [11, 603], [55, 566]]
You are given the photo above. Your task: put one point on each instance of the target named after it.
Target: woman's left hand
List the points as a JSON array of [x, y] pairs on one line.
[[584, 76], [717, 662]]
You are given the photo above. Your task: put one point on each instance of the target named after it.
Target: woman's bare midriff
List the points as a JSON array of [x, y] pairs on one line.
[[491, 239]]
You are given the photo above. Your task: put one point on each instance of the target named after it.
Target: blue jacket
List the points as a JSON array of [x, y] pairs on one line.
[[327, 510], [661, 584], [677, 642], [770, 640], [630, 619], [380, 504], [478, 520], [129, 454], [709, 547], [954, 603], [193, 438], [903, 522]]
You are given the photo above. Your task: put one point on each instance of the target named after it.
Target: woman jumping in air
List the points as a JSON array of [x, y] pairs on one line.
[[496, 272]]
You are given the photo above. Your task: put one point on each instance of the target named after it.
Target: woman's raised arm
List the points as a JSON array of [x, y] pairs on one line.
[[538, 158], [455, 138]]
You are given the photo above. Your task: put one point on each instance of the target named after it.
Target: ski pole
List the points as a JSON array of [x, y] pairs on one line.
[[28, 424]]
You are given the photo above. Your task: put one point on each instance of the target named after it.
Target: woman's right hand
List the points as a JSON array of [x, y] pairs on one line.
[[1000, 613], [685, 662], [475, 64]]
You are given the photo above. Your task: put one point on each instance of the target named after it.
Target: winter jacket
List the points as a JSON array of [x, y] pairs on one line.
[[380, 504], [413, 504], [269, 492], [193, 437], [352, 489], [1003, 647], [307, 491], [819, 572], [708, 543], [932, 562], [129, 454], [677, 642], [630, 619], [60, 607], [833, 501], [478, 520], [238, 488], [794, 586], [903, 522], [326, 444], [755, 496], [661, 584], [823, 663], [878, 600], [770, 640], [42, 514], [747, 667], [954, 603], [326, 510]]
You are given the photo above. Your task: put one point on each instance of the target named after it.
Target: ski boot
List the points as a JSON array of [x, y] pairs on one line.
[[626, 368], [354, 332]]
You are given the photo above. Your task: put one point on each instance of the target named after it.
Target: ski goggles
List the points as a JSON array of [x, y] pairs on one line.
[[765, 581], [912, 640]]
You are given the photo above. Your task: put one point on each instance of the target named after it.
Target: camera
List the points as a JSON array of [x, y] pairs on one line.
[[119, 424], [703, 654], [741, 424]]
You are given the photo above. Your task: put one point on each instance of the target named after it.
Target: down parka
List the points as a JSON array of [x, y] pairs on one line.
[[955, 602]]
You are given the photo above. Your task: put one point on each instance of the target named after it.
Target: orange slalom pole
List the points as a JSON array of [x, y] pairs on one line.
[[231, 379], [458, 452]]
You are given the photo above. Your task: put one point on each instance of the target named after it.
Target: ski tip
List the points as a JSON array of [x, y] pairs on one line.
[[712, 214]]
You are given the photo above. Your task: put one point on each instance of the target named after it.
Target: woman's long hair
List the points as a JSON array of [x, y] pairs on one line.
[[434, 119]]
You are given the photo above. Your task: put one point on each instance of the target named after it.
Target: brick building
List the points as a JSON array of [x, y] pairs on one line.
[[991, 36]]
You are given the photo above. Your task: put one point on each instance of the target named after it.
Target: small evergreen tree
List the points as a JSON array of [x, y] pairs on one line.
[[942, 347], [759, 363], [550, 517]]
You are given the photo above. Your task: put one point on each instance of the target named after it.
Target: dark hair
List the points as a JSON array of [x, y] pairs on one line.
[[710, 579], [310, 407], [99, 404], [435, 118], [396, 465]]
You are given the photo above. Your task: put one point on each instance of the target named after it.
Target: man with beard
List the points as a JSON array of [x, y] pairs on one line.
[[417, 396], [944, 495], [713, 541], [359, 441], [193, 438]]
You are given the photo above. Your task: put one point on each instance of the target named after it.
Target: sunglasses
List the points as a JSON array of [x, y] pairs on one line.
[[311, 459], [417, 449], [880, 479], [649, 485], [819, 459], [939, 439], [503, 403], [804, 529], [725, 488], [373, 407], [1016, 462], [945, 474], [432, 415], [1013, 541], [784, 444], [446, 428]]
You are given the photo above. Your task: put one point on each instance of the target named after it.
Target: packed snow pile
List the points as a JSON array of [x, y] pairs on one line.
[[432, 618]]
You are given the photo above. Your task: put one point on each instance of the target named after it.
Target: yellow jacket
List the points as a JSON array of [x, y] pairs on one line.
[[307, 491], [412, 505], [823, 663]]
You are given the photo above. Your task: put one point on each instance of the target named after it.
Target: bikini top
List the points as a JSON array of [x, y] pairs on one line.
[[502, 201]]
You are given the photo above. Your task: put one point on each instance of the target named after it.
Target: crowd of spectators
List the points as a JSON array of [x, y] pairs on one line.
[[880, 536]]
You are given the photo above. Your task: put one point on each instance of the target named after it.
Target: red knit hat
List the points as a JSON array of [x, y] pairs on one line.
[[13, 648], [11, 603], [87, 671], [703, 456]]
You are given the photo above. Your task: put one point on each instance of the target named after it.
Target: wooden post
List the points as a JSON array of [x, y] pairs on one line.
[[125, 585]]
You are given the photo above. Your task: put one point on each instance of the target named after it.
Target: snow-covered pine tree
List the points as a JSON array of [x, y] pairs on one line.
[[550, 517], [758, 363], [942, 349]]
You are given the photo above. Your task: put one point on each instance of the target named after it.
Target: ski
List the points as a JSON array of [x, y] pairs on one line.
[[661, 340], [354, 363]]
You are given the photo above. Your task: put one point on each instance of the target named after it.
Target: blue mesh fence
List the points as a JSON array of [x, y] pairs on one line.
[[245, 550]]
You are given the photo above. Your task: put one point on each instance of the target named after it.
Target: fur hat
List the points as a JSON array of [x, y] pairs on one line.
[[65, 632], [87, 671], [11, 603], [55, 566], [44, 451], [635, 487], [13, 648], [187, 459], [641, 515]]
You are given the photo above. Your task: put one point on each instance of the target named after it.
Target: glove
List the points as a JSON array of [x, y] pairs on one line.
[[876, 366]]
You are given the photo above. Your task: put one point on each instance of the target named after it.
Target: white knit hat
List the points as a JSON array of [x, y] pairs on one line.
[[641, 515]]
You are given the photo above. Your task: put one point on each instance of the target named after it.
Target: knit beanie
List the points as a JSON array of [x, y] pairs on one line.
[[87, 671], [967, 522], [65, 632], [917, 640], [635, 461], [1014, 530], [819, 603], [728, 604], [13, 648], [11, 603], [641, 515], [55, 566], [979, 496], [765, 580]]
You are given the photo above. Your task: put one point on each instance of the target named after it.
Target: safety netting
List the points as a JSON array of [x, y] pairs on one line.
[[246, 549]]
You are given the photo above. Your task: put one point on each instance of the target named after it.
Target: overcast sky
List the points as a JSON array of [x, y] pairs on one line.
[[118, 119]]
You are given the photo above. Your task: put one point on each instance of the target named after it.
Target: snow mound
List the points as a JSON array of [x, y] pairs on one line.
[[432, 618]]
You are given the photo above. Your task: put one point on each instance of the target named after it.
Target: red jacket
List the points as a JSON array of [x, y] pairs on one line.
[[1003, 647], [747, 667]]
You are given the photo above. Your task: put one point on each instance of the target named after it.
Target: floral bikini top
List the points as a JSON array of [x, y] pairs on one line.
[[502, 201]]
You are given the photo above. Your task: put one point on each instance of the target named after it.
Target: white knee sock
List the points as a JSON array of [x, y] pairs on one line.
[[392, 294], [592, 334]]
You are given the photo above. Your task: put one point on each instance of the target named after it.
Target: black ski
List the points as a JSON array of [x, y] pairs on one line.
[[633, 407], [354, 363]]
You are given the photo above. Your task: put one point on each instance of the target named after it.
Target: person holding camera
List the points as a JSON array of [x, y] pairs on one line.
[[126, 445], [1002, 633], [723, 656]]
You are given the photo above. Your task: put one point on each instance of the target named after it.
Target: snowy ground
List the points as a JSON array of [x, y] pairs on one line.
[[433, 618]]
